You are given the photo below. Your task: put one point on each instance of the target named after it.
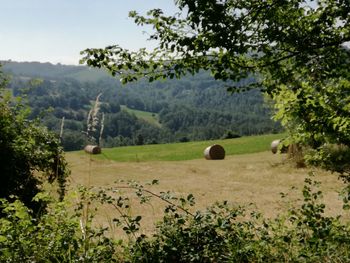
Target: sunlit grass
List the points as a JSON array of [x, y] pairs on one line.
[[240, 179], [150, 117], [188, 150]]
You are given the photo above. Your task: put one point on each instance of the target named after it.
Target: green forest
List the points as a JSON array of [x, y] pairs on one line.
[[188, 109]]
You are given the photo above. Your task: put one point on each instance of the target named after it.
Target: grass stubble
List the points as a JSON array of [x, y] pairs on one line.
[[254, 178]]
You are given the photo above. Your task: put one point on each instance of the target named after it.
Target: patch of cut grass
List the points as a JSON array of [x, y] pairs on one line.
[[150, 117], [188, 150], [257, 178]]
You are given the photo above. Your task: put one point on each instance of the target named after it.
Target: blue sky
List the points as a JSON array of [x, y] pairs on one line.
[[57, 30]]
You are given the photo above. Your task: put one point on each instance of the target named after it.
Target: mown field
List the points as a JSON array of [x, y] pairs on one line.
[[250, 174], [188, 150]]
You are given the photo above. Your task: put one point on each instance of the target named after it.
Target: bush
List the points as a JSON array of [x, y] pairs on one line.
[[58, 236], [220, 233], [230, 135], [332, 157], [223, 233], [26, 149]]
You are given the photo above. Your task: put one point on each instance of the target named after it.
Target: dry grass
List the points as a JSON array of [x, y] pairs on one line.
[[241, 179]]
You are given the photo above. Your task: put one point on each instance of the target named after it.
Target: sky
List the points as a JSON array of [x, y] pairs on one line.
[[56, 31]]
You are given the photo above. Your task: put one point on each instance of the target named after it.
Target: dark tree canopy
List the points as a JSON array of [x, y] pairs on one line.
[[30, 155], [233, 38]]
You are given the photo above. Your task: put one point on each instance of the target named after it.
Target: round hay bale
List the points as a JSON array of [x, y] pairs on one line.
[[274, 146], [278, 147], [214, 152], [92, 149]]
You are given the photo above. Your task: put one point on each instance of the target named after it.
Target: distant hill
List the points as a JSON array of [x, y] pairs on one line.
[[192, 108], [51, 71]]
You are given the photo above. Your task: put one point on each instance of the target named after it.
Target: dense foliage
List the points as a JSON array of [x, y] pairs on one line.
[[55, 237], [193, 108], [30, 155], [298, 51], [225, 233], [221, 233]]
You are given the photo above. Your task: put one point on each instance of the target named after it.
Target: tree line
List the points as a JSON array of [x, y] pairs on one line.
[[193, 108]]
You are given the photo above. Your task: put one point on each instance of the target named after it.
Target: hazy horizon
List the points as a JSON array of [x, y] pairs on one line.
[[57, 31]]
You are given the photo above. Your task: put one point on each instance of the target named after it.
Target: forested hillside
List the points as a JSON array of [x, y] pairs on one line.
[[193, 108]]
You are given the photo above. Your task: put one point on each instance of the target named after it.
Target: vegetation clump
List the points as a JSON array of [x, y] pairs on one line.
[[220, 233], [30, 155]]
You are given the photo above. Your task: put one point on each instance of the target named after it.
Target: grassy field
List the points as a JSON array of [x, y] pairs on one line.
[[188, 150], [145, 115], [257, 176]]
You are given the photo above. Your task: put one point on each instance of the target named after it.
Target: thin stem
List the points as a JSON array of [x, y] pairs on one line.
[[158, 196]]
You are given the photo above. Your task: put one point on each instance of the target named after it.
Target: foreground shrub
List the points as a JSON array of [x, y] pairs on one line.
[[30, 155], [332, 157], [57, 236], [223, 233], [220, 233]]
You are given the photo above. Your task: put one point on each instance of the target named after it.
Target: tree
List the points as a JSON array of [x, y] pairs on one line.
[[295, 50], [29, 156]]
